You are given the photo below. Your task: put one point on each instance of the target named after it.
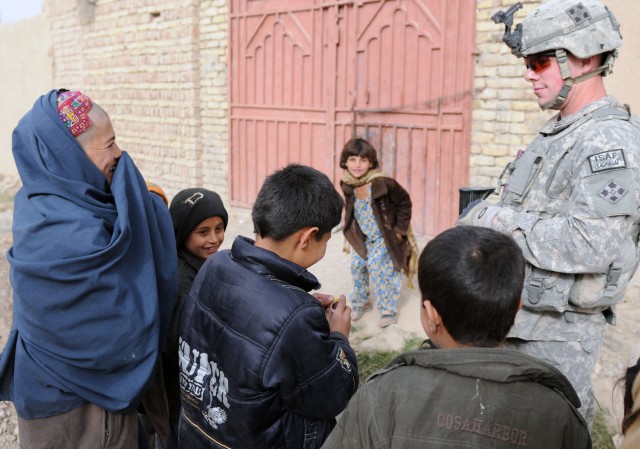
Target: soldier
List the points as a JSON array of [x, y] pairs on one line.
[[572, 198]]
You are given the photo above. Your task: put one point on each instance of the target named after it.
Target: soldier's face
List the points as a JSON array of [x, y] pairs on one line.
[[543, 72]]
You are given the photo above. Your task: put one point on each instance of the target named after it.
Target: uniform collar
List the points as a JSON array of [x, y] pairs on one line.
[[558, 124]]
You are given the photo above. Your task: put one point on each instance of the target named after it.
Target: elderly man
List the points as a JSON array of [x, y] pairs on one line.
[[93, 269], [571, 200]]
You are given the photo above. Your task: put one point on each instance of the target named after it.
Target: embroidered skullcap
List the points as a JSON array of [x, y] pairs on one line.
[[190, 207], [73, 109]]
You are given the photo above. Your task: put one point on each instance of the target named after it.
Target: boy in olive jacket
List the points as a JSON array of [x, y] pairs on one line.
[[461, 389]]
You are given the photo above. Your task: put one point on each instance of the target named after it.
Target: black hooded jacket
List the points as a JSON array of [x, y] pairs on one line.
[[259, 366]]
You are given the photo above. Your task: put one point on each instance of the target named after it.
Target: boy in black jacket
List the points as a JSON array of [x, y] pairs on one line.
[[263, 363]]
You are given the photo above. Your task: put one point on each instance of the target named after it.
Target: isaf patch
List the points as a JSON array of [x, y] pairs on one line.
[[607, 160], [342, 358], [612, 192]]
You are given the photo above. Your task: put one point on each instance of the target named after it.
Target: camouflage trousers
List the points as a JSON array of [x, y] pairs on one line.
[[575, 359]]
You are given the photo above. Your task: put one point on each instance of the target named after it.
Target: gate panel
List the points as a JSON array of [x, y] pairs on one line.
[[411, 97], [278, 93], [307, 75]]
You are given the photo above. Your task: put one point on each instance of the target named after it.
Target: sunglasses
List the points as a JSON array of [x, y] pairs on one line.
[[539, 62]]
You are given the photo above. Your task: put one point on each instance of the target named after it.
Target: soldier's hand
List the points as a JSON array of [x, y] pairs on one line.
[[467, 209], [478, 213]]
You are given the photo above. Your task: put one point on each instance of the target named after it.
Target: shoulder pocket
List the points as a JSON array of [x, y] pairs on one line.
[[546, 290], [525, 170], [599, 290]]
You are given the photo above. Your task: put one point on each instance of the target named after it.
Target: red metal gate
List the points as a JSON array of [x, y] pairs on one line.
[[305, 78]]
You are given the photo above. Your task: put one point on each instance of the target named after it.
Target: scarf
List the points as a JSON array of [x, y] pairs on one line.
[[94, 276], [369, 176], [411, 267]]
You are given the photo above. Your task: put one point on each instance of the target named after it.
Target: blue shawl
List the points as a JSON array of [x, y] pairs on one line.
[[93, 271]]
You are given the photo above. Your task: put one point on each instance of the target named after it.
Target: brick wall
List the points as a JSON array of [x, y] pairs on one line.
[[213, 72], [505, 112], [158, 69]]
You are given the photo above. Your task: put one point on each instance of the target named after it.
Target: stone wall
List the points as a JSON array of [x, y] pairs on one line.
[[158, 68], [505, 113]]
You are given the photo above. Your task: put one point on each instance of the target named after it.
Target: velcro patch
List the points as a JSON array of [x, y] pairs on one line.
[[612, 192], [607, 160], [578, 13]]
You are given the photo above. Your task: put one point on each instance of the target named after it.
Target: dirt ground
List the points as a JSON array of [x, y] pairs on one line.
[[621, 347]]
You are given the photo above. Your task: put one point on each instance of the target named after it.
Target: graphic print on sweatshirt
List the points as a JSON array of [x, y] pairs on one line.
[[199, 376]]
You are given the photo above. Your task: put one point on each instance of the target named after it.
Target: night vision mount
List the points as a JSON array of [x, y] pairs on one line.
[[513, 39]]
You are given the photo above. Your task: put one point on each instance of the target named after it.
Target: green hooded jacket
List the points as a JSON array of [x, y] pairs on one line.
[[475, 398]]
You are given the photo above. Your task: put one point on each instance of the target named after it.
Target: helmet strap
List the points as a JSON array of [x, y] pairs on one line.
[[565, 71], [569, 81]]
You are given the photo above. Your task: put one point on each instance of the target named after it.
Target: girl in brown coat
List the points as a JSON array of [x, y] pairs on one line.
[[377, 219]]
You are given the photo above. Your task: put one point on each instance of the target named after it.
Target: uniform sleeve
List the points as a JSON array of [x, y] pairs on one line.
[[402, 202], [586, 232], [315, 372]]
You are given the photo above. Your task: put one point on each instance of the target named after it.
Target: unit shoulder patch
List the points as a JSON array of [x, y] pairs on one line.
[[578, 13], [612, 192], [607, 160]]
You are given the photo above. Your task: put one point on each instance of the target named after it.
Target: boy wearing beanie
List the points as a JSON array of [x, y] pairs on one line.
[[199, 221]]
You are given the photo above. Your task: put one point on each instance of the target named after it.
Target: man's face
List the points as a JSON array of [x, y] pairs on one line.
[[543, 72], [99, 144]]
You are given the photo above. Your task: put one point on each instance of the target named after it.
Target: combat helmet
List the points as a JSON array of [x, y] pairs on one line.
[[582, 27]]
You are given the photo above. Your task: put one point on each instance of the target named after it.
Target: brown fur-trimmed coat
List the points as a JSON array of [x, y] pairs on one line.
[[391, 206]]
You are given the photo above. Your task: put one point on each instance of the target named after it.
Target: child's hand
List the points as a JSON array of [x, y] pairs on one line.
[[339, 316], [325, 300]]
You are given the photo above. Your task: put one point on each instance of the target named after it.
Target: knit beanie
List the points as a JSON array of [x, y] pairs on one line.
[[190, 207]]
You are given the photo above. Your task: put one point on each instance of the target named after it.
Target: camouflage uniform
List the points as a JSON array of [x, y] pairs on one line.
[[571, 202], [572, 198]]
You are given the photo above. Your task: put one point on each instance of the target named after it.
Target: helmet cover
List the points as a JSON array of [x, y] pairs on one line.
[[582, 27]]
